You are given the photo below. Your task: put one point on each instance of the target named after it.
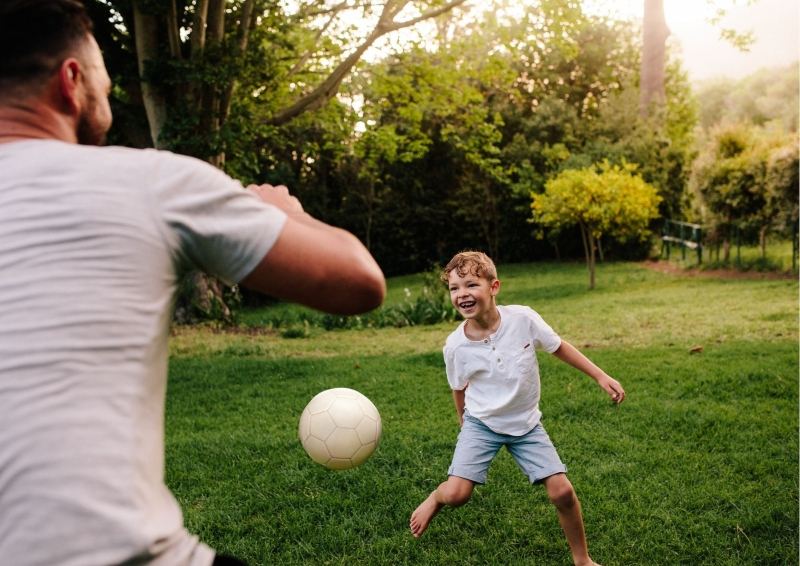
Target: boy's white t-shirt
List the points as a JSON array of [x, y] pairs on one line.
[[92, 241], [501, 373]]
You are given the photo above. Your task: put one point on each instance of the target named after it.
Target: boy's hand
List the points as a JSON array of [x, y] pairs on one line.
[[613, 388], [570, 354]]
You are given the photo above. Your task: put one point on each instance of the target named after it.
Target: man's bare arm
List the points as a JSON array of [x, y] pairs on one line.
[[315, 264]]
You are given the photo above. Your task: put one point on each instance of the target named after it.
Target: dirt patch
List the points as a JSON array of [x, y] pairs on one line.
[[672, 269]]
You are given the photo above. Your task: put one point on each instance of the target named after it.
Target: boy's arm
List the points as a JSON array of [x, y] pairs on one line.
[[570, 354], [458, 399]]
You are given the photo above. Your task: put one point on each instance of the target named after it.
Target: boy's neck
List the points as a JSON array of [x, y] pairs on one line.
[[480, 328]]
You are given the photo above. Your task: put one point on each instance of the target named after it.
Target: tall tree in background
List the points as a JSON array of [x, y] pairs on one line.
[[654, 48], [654, 55]]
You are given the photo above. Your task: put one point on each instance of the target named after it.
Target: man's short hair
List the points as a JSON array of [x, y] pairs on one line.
[[471, 262], [35, 37]]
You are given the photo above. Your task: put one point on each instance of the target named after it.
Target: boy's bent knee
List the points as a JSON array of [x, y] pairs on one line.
[[561, 492], [455, 491]]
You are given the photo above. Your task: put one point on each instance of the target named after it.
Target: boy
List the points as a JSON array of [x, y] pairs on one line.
[[491, 368]]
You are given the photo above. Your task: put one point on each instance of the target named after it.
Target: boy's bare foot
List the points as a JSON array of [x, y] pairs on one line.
[[422, 515]]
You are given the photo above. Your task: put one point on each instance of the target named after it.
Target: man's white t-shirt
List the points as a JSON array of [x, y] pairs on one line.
[[92, 242], [501, 373]]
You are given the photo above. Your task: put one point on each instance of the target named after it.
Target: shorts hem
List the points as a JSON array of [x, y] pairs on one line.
[[466, 477], [544, 474]]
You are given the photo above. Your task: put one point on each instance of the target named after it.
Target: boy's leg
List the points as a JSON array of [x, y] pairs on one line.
[[537, 457], [455, 492], [562, 495], [477, 445]]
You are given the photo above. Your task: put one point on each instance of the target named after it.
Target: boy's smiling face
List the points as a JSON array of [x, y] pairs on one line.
[[473, 296]]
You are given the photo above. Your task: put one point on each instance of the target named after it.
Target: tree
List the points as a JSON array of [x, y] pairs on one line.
[[654, 55], [746, 180], [654, 49], [780, 188], [728, 179], [208, 44], [768, 98], [605, 200], [223, 79], [782, 185], [429, 146]]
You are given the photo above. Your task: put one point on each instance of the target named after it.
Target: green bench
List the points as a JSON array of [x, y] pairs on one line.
[[683, 234]]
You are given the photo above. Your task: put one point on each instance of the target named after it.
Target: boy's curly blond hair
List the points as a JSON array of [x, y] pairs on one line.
[[472, 262]]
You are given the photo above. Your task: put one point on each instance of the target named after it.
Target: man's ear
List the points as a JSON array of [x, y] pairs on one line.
[[495, 287], [69, 75]]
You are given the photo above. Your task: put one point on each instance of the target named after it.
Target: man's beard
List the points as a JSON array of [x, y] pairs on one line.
[[89, 131]]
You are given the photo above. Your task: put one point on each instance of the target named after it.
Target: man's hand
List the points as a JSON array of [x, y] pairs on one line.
[[305, 264], [277, 196]]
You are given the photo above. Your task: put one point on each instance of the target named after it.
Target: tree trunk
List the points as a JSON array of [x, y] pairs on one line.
[[762, 241], [370, 214], [588, 248], [654, 54], [247, 20], [600, 250], [199, 28], [591, 259], [146, 38], [210, 98], [557, 251]]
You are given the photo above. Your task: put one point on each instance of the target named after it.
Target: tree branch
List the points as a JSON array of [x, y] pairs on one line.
[[307, 55], [425, 15], [172, 31], [303, 14], [330, 86]]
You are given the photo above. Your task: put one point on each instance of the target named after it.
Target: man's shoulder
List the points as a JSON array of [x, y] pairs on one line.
[[111, 156], [152, 156]]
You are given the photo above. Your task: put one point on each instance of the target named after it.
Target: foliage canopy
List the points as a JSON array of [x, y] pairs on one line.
[[607, 200]]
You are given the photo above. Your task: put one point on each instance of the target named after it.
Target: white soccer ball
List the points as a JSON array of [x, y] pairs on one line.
[[340, 428]]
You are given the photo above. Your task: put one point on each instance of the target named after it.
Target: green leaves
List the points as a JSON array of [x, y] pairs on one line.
[[608, 199], [745, 178]]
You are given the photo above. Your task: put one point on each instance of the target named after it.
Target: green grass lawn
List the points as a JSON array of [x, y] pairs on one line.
[[698, 466]]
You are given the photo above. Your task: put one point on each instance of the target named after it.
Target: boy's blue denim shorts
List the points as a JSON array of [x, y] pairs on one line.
[[477, 446]]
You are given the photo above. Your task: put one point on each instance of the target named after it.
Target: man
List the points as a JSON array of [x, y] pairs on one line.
[[92, 243]]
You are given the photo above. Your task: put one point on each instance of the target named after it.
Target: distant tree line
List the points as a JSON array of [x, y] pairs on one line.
[[744, 184], [441, 144], [448, 140]]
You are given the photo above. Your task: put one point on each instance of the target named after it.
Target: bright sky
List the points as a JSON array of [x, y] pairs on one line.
[[773, 22]]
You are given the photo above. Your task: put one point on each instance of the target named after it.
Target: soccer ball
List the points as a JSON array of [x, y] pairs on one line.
[[340, 428]]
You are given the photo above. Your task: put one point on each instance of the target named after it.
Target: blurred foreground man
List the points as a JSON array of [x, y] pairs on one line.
[[92, 244]]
